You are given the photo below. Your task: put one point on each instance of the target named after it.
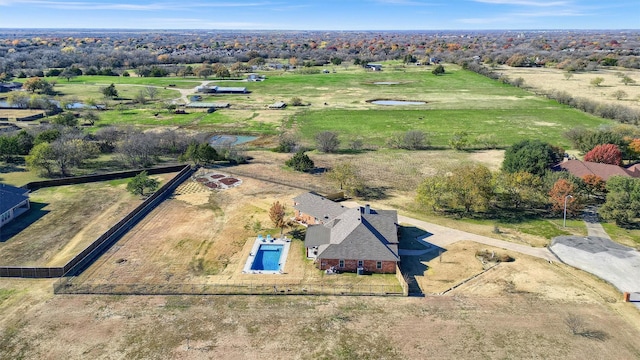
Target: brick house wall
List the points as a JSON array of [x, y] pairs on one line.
[[388, 267]]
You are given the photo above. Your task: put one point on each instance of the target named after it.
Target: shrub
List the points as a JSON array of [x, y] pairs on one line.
[[300, 162]]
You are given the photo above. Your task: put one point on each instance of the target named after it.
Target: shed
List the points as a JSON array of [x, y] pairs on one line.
[[278, 105]]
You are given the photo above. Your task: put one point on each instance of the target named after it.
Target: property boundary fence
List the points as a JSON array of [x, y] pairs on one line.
[[402, 281], [68, 286], [108, 238], [35, 185]]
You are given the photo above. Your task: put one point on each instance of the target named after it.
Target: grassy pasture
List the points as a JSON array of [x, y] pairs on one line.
[[180, 83], [84, 91], [508, 125]]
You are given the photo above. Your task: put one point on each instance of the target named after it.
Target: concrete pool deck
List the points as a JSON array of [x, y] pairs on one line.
[[286, 244]]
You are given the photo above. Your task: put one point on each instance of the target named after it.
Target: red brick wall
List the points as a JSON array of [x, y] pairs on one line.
[[388, 267]]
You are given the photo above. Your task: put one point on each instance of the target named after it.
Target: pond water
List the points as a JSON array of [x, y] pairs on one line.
[[386, 83], [70, 106], [218, 140], [397, 102]]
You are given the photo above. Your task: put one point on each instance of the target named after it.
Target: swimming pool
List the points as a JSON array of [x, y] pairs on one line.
[[267, 257]]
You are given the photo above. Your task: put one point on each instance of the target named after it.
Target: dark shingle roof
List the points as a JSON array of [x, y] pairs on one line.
[[354, 235], [11, 196], [317, 206]]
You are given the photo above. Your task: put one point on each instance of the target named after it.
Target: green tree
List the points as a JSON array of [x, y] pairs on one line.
[[597, 81], [520, 189], [336, 61], [346, 175], [110, 91], [532, 156], [627, 80], [141, 182], [433, 192], [91, 117], [47, 136], [9, 147], [41, 158], [300, 162], [438, 70], [68, 74], [65, 119], [459, 140], [623, 201], [472, 187]]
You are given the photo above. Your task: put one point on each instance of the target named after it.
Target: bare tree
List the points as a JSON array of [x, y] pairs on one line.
[[152, 92], [327, 141]]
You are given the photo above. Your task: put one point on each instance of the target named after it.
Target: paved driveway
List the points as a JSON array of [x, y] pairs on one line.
[[443, 236], [615, 263]]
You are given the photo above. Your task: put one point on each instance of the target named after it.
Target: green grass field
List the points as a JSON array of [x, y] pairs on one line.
[[340, 101], [507, 125]]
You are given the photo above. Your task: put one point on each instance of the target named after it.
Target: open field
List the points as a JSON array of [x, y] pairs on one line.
[[63, 220], [457, 101], [579, 85], [516, 310], [203, 237]]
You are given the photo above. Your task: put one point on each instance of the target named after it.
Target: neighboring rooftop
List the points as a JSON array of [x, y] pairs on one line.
[[605, 171]]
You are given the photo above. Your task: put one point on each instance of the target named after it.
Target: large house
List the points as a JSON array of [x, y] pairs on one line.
[[348, 239], [604, 171], [14, 201]]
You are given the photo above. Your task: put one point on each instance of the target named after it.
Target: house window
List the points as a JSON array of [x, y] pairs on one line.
[[360, 263], [378, 264], [341, 263]]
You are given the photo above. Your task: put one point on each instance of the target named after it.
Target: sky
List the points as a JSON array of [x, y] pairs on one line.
[[322, 14]]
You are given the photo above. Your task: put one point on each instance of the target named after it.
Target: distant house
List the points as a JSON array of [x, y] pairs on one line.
[[374, 67], [222, 90], [255, 77], [278, 105], [605, 171], [14, 201], [357, 239]]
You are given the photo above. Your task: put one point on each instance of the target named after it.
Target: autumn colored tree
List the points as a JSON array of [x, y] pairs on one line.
[[276, 214], [472, 187], [606, 154], [634, 148], [559, 194], [593, 185]]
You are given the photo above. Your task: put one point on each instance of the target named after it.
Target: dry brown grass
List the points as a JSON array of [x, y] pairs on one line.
[[548, 79], [67, 219]]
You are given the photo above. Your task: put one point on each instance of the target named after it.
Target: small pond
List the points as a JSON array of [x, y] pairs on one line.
[[219, 140], [386, 83], [397, 102]]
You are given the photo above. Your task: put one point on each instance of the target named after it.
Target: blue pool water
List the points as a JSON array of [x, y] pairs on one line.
[[267, 258]]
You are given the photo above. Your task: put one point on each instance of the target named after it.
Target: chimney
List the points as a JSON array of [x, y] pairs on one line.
[[367, 209]]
